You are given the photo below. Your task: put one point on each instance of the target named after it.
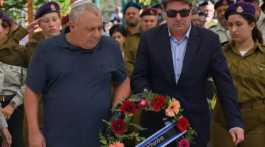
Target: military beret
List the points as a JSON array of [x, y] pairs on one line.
[[149, 11], [47, 8], [131, 4], [165, 2], [240, 8], [249, 1], [5, 18], [222, 3]]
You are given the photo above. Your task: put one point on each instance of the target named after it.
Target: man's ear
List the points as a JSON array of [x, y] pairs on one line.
[[71, 25]]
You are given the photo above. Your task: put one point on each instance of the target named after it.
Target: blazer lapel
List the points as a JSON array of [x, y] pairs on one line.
[[166, 54], [193, 46]]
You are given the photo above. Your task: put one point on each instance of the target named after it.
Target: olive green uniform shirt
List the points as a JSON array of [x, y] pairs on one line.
[[248, 72], [130, 51], [31, 46], [10, 50]]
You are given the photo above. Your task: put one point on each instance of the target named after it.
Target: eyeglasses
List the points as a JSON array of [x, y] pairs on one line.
[[182, 13]]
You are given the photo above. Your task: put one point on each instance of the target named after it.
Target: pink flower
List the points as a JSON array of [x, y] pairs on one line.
[[116, 144], [173, 108], [142, 103], [184, 143]]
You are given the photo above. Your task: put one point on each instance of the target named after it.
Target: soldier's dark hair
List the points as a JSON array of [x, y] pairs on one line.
[[117, 28], [6, 21], [256, 34], [5, 24]]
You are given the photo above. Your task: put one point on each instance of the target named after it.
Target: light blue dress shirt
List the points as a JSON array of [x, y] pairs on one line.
[[178, 50]]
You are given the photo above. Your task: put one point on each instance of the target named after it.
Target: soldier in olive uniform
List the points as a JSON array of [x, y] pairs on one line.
[[246, 59], [132, 19], [221, 27], [9, 51]]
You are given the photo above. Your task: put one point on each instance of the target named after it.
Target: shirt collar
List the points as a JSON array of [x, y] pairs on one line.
[[187, 34], [257, 46]]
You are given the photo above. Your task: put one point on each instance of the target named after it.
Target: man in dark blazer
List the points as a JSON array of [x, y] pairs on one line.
[[175, 59]]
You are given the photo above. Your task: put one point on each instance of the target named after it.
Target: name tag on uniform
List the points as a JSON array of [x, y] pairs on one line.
[[162, 137]]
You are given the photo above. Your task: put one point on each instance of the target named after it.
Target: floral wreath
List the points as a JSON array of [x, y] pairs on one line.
[[122, 130]]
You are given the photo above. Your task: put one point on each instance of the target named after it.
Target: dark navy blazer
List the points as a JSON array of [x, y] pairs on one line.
[[204, 57]]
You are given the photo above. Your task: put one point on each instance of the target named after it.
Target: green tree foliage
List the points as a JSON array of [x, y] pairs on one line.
[[147, 3], [17, 9]]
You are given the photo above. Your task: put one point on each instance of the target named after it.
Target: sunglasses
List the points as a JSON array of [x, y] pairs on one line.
[[182, 13]]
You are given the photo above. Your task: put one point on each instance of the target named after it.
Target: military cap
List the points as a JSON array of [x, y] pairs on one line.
[[240, 8], [131, 4], [165, 2], [5, 18], [47, 8], [222, 3], [149, 11]]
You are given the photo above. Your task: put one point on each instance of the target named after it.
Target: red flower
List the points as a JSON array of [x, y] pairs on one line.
[[128, 107], [183, 124], [119, 127], [142, 103], [184, 143], [157, 103]]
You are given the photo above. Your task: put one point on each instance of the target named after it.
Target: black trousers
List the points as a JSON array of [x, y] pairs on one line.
[[15, 125]]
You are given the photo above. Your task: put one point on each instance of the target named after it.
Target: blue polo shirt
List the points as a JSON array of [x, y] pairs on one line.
[[75, 85]]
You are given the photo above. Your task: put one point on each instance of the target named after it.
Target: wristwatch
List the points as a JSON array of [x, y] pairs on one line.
[[13, 104]]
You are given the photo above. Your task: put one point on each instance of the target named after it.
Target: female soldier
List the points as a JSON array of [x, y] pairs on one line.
[[11, 81], [246, 59]]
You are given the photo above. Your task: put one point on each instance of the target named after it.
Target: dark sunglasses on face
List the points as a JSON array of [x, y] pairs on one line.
[[182, 13]]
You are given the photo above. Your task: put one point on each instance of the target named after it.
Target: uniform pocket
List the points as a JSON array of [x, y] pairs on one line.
[[258, 71]]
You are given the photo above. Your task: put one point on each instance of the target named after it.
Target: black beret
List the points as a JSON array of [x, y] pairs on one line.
[[222, 3], [249, 1], [47, 8], [5, 18], [240, 8], [131, 4]]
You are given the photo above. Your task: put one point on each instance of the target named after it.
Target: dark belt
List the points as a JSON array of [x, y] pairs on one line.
[[252, 104], [5, 99]]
